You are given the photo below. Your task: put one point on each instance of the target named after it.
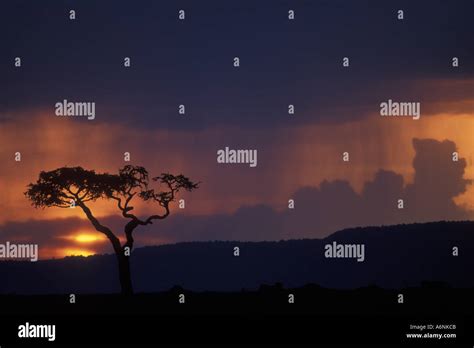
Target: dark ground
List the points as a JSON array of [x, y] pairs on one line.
[[366, 315], [396, 257]]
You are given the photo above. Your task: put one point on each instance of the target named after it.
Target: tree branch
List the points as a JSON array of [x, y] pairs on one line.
[[99, 227]]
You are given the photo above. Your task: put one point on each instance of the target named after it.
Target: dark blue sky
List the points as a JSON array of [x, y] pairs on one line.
[[190, 62]]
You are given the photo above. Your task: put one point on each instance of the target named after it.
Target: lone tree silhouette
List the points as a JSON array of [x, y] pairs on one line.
[[65, 187]]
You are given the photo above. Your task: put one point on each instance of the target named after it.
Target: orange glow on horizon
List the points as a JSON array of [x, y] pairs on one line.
[[59, 253], [76, 252]]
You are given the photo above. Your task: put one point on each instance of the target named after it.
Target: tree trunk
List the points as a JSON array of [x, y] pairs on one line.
[[124, 274]]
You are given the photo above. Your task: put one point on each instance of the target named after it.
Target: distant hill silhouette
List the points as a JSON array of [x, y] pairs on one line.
[[395, 257]]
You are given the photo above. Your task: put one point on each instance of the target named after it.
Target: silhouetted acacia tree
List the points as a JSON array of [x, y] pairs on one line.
[[76, 186]]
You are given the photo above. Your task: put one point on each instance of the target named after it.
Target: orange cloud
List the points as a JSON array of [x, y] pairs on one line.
[[288, 158]]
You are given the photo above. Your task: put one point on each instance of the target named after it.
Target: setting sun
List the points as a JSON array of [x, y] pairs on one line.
[[88, 238], [85, 237]]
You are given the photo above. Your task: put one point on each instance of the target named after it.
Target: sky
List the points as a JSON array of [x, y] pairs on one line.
[[282, 62]]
